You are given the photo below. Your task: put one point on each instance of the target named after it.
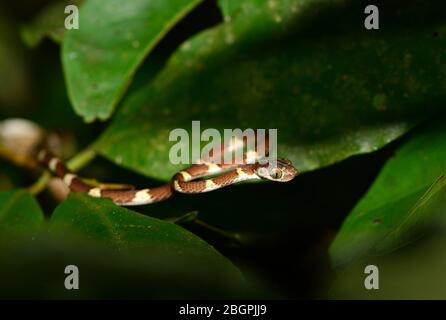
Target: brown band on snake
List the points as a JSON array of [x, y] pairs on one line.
[[182, 180]]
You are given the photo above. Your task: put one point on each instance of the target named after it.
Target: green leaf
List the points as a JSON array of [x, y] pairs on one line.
[[101, 57], [35, 269], [19, 212], [50, 22], [331, 93], [122, 228], [170, 248], [413, 272], [400, 200], [119, 253]]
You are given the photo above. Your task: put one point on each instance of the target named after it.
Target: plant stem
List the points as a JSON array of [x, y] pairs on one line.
[[227, 234], [40, 184], [81, 159], [187, 217]]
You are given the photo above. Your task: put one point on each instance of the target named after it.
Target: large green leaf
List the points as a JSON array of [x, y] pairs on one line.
[[330, 92], [19, 212], [113, 38], [35, 269], [166, 256], [414, 272], [399, 201], [122, 228], [119, 253]]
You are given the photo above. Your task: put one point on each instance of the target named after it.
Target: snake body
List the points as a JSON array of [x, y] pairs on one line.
[[183, 182]]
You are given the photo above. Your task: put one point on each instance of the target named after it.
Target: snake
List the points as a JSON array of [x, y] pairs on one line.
[[192, 180]]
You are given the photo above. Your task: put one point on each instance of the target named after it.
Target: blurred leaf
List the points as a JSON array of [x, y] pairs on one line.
[[50, 22], [114, 37], [331, 92], [416, 272], [19, 212], [5, 181], [35, 269], [128, 231], [119, 253], [399, 201], [14, 77], [123, 228]]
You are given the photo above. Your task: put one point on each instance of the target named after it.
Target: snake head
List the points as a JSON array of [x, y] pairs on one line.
[[280, 170]]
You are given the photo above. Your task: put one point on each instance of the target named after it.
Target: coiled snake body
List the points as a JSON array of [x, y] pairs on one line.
[[22, 138], [184, 181]]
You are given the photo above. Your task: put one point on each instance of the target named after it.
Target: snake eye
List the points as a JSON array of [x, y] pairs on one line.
[[276, 173]]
